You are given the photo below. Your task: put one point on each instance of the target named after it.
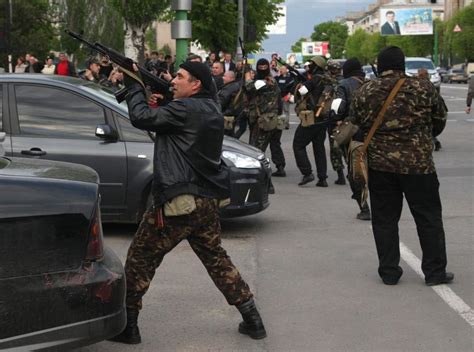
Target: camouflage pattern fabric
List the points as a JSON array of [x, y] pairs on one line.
[[402, 144], [335, 153], [266, 99], [202, 230]]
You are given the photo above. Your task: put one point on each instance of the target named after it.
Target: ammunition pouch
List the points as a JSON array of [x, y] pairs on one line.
[[267, 122], [307, 118], [229, 122]]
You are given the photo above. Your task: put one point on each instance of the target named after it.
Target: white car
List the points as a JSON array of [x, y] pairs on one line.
[[413, 64]]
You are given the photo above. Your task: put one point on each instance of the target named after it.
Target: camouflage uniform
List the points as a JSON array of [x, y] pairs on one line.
[[265, 104], [202, 230], [401, 165]]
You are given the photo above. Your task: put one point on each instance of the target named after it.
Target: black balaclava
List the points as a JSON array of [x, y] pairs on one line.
[[391, 58], [352, 67], [261, 74]]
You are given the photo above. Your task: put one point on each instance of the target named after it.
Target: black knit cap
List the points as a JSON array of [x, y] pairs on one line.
[[350, 66], [200, 71], [391, 58]]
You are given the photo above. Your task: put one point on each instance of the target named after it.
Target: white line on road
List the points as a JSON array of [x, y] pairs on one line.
[[451, 120], [452, 299], [451, 87], [470, 120]]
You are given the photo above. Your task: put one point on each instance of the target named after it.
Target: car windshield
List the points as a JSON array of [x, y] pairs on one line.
[[106, 94], [367, 69], [415, 65]]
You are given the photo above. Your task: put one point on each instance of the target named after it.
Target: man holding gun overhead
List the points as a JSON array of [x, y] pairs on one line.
[[190, 182]]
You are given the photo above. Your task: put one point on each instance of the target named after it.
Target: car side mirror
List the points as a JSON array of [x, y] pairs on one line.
[[106, 132]]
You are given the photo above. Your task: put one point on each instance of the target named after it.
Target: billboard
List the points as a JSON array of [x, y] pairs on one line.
[[280, 26], [314, 48], [292, 58], [406, 21]]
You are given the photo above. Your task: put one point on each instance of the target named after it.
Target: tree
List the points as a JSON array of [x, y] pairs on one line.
[[215, 23], [97, 20], [138, 15], [333, 32], [354, 46], [31, 30], [462, 42]]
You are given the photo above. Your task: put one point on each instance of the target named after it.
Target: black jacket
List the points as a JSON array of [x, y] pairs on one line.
[[345, 88], [286, 84], [188, 145], [226, 95]]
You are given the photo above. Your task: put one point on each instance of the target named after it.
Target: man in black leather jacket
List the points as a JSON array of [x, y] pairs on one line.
[[189, 182], [353, 79]]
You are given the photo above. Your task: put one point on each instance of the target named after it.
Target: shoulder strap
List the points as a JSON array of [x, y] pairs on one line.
[[381, 114]]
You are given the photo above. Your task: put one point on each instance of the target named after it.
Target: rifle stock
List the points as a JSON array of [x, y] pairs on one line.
[[156, 84]]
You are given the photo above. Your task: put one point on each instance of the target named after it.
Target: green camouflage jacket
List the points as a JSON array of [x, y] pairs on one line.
[[267, 98], [403, 142]]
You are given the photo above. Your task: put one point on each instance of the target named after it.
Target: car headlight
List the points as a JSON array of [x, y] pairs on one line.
[[435, 77], [241, 161]]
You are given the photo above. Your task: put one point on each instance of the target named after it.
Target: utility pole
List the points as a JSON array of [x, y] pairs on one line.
[[240, 9], [436, 55], [9, 42], [181, 28]]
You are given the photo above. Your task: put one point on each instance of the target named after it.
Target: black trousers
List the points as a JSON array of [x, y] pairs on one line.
[[422, 195], [316, 135]]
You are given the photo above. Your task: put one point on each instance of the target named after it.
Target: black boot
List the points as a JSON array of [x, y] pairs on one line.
[[322, 183], [306, 179], [364, 212], [341, 180], [131, 334], [280, 172], [252, 324]]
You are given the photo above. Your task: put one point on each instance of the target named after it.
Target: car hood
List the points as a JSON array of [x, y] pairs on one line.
[[234, 145], [414, 72], [47, 169]]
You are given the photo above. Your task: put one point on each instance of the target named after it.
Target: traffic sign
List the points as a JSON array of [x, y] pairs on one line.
[[457, 28]]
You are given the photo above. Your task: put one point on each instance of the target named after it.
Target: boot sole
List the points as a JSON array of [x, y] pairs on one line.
[[254, 335]]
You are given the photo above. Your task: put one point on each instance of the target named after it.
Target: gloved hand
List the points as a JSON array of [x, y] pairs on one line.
[[303, 90], [259, 84]]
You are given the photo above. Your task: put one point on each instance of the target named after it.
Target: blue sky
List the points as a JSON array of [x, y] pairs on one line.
[[303, 15]]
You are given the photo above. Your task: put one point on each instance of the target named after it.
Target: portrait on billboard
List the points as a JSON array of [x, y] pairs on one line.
[[390, 27], [406, 21]]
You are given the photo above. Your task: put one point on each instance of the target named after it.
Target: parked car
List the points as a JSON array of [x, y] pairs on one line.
[[68, 119], [369, 72], [413, 64], [59, 286], [457, 75]]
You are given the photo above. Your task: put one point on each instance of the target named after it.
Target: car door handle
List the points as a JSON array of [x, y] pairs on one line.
[[34, 152]]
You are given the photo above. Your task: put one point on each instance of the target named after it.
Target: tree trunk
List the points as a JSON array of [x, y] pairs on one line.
[[134, 44]]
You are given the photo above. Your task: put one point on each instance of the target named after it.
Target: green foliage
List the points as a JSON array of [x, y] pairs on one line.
[[413, 45], [333, 32], [141, 13], [96, 19], [31, 30], [354, 46], [150, 39], [296, 48], [462, 43], [215, 22]]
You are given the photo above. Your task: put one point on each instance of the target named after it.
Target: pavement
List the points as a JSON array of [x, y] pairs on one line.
[[313, 268]]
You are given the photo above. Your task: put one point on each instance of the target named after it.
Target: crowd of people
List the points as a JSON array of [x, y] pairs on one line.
[[399, 115]]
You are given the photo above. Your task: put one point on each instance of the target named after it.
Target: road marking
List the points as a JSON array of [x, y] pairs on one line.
[[451, 87], [456, 112], [446, 294], [451, 120], [470, 120]]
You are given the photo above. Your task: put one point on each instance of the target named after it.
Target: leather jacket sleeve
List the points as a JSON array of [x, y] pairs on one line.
[[162, 120]]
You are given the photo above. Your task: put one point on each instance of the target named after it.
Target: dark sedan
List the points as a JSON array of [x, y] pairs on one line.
[[59, 286], [68, 119]]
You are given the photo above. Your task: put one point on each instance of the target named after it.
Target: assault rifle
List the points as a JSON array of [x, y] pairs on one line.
[[293, 71], [156, 84]]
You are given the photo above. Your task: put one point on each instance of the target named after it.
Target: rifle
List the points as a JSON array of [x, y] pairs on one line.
[[156, 84], [294, 72]]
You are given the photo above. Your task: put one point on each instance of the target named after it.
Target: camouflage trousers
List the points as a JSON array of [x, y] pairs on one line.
[[261, 139], [202, 230], [335, 153]]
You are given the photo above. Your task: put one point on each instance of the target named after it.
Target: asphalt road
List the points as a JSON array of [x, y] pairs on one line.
[[313, 269]]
